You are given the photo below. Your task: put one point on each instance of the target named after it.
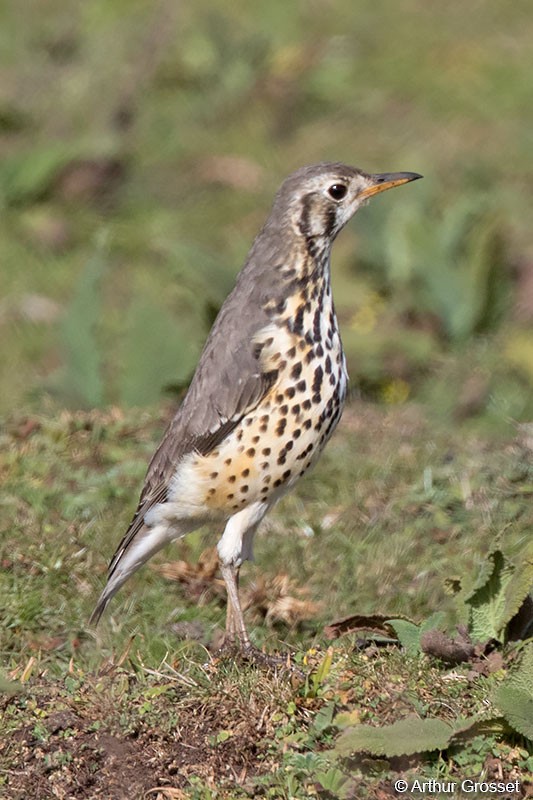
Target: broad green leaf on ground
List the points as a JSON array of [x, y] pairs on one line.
[[517, 708], [521, 585], [488, 602], [514, 697], [403, 738], [410, 634]]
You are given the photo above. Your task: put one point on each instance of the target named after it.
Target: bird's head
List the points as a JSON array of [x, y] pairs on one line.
[[319, 200]]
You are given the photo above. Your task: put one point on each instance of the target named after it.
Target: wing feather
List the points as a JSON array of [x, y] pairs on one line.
[[229, 382]]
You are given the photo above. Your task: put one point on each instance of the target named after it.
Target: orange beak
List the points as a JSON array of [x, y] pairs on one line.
[[388, 180]]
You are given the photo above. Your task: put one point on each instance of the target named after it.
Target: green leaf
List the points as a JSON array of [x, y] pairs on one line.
[[499, 593], [521, 585], [517, 708], [28, 176], [333, 781], [408, 736], [81, 380], [487, 602], [324, 718], [408, 633], [514, 697], [157, 351]]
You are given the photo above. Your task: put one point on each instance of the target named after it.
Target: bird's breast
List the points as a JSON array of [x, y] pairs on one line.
[[274, 444]]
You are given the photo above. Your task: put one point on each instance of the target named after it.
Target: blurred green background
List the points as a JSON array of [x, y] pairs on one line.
[[140, 147]]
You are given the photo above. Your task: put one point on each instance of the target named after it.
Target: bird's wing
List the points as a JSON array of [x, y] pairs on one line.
[[231, 379]]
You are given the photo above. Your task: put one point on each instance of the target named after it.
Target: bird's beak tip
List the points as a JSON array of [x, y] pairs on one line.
[[388, 180]]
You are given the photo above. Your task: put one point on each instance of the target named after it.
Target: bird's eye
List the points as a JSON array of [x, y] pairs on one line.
[[337, 191]]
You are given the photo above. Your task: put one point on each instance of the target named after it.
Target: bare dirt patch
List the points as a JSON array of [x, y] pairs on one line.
[[99, 744]]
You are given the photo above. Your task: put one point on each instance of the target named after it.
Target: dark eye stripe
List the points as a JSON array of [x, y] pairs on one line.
[[337, 191]]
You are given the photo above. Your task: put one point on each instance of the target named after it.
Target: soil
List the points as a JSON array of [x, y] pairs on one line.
[[82, 753]]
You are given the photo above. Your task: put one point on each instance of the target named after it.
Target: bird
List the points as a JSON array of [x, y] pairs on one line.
[[267, 393]]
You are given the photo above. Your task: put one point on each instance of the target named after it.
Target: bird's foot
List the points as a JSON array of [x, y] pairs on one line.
[[251, 654], [281, 663]]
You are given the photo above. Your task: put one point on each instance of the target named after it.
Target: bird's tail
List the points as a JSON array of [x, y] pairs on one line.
[[132, 553]]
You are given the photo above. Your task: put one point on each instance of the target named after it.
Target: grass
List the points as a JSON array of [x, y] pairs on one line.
[[167, 133], [140, 147], [381, 526]]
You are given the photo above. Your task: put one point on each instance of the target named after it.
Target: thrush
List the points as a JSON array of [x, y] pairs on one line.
[[267, 393]]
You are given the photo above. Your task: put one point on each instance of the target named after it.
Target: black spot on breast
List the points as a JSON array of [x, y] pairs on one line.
[[309, 356], [305, 452], [250, 452], [227, 461], [307, 424], [266, 451], [296, 371], [291, 353], [298, 324], [306, 405], [319, 350], [284, 410], [281, 306], [282, 424], [286, 474], [317, 380], [277, 482], [295, 409], [232, 478], [213, 475], [301, 386], [245, 473], [290, 392], [297, 433], [244, 488], [328, 365], [316, 324], [256, 439]]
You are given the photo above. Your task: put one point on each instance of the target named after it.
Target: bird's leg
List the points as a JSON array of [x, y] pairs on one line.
[[235, 627], [231, 631], [236, 630]]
